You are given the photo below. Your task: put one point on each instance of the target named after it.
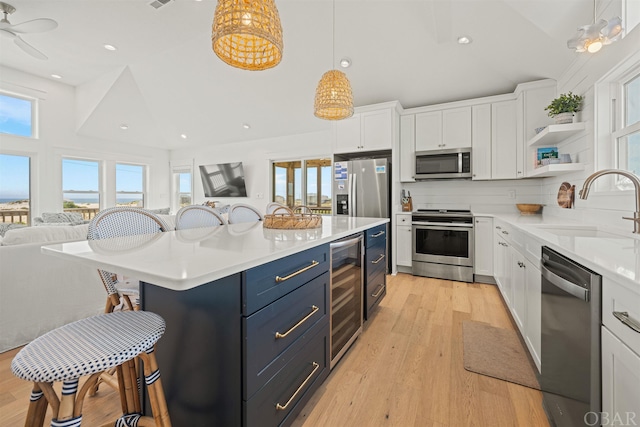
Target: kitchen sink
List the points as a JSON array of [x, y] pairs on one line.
[[581, 231]]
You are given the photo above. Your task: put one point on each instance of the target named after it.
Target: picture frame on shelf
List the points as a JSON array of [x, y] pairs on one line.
[[546, 155]]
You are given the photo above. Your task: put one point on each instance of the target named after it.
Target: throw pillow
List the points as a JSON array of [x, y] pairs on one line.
[[69, 217], [6, 226]]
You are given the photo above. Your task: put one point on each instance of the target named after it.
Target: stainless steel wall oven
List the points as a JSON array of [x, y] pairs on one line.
[[442, 243]]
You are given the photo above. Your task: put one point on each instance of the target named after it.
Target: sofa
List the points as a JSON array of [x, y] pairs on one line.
[[41, 292]]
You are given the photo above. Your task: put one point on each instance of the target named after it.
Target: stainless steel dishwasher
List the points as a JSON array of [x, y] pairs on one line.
[[570, 354]]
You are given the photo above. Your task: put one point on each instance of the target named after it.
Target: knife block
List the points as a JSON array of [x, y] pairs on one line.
[[407, 204]]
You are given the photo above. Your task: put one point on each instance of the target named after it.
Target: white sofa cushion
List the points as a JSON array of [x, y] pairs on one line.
[[62, 217], [45, 234]]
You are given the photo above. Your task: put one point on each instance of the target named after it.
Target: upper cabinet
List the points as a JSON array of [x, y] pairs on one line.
[[407, 148], [365, 131], [481, 142], [504, 141], [443, 129]]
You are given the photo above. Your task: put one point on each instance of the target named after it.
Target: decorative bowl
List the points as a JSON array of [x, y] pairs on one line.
[[538, 130], [528, 208]]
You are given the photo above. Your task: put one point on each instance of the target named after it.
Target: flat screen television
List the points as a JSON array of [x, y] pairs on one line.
[[223, 180]]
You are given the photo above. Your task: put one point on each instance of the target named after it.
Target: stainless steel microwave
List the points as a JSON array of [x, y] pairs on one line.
[[441, 164]]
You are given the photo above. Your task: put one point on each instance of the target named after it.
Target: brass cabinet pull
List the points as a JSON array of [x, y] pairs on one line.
[[378, 234], [280, 407], [378, 260], [304, 319], [302, 270], [377, 294], [623, 316]]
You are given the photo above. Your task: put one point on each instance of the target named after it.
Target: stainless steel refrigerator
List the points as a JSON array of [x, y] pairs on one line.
[[361, 187]]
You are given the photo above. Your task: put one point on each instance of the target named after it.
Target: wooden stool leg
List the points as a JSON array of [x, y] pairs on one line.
[[154, 386], [37, 408]]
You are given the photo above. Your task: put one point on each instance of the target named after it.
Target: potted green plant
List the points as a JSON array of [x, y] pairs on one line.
[[564, 107]]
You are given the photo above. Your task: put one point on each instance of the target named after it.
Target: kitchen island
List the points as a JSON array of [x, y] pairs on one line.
[[247, 312]]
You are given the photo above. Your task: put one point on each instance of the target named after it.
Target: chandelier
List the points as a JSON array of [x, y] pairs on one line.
[[247, 34], [590, 38]]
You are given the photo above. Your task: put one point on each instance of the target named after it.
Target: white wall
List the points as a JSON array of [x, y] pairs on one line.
[[255, 156], [58, 138]]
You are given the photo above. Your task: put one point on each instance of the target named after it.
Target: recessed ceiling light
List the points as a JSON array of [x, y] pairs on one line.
[[56, 76], [124, 126], [246, 125], [345, 62], [183, 136], [464, 40], [110, 47]]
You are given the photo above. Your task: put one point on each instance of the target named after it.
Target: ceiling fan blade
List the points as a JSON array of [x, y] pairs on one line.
[[34, 26], [7, 33], [28, 48]]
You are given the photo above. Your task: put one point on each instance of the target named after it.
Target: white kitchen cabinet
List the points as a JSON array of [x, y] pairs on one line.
[[483, 246], [504, 163], [403, 240], [533, 324], [518, 289], [501, 264], [407, 148], [620, 382], [481, 141], [443, 129], [366, 131]]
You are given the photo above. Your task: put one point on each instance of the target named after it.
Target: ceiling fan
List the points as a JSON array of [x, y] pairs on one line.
[[14, 30]]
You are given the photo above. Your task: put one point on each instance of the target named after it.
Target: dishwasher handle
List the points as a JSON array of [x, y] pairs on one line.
[[575, 290]]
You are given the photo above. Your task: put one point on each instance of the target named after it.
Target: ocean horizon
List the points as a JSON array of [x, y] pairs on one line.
[[75, 200]]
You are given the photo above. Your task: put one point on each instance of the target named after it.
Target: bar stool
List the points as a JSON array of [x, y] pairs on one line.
[[88, 347], [241, 212], [198, 216]]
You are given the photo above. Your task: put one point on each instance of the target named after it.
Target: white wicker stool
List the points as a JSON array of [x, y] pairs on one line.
[[89, 347]]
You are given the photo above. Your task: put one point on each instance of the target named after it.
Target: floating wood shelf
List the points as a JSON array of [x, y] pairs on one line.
[[554, 134], [556, 169]]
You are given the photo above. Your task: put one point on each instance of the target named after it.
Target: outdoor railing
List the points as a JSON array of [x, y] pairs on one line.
[[21, 216]]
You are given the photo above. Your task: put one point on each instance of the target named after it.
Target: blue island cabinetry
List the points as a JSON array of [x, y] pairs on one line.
[[249, 349], [375, 268]]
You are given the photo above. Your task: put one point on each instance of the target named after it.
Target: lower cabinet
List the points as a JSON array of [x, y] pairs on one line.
[[404, 251], [375, 282], [620, 382], [483, 246], [532, 328]]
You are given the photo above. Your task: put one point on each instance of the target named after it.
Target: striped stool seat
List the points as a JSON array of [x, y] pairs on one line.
[[88, 347]]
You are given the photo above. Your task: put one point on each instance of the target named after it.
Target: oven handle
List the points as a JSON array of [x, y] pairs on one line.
[[565, 285], [442, 224]]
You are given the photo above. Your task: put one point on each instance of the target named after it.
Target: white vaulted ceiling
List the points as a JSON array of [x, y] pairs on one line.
[[164, 80]]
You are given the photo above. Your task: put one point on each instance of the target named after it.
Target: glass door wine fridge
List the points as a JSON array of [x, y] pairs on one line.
[[347, 277]]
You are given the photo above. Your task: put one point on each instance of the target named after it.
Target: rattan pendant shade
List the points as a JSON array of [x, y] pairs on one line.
[[247, 34], [334, 100]]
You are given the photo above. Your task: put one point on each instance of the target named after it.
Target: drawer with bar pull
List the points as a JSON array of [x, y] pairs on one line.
[[374, 235], [621, 313], [274, 328], [266, 283]]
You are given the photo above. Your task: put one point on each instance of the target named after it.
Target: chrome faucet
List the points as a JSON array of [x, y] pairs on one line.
[[584, 193]]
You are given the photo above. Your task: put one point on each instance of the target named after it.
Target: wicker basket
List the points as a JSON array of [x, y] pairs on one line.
[[285, 218]]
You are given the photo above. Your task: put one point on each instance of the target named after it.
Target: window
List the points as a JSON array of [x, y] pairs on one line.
[[17, 115], [626, 134], [130, 184], [80, 185], [15, 197], [303, 182], [182, 187]]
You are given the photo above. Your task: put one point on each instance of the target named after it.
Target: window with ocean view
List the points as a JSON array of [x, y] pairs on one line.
[[16, 115], [130, 185], [303, 182], [14, 188], [80, 184]]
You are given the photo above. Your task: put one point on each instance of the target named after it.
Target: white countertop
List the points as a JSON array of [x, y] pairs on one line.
[[181, 260], [609, 252]]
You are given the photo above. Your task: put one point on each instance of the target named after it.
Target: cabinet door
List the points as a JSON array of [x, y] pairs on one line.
[[403, 239], [501, 264], [504, 140], [620, 381], [407, 148], [348, 135], [481, 141], [533, 311], [377, 130], [429, 131], [456, 128], [483, 251], [517, 284]]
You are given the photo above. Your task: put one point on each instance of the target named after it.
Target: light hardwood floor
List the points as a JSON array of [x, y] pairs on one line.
[[406, 369]]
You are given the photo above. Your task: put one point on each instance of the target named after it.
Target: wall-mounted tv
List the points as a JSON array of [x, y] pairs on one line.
[[223, 180]]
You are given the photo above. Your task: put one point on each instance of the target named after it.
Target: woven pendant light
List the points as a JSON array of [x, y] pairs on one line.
[[334, 99], [247, 34]]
